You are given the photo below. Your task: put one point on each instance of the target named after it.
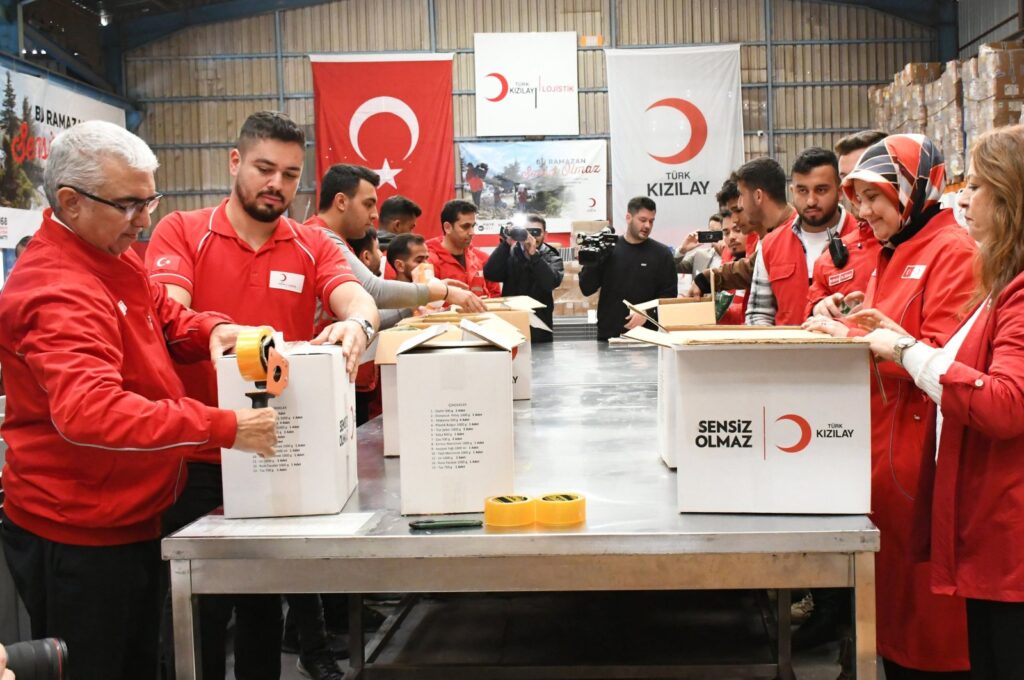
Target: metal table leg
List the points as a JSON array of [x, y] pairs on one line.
[[864, 615], [356, 638], [785, 657], [186, 622]]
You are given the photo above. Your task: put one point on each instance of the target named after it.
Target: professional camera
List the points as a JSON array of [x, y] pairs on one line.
[[596, 247], [517, 234], [45, 659]]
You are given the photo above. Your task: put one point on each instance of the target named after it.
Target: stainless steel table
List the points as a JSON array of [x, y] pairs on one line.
[[589, 428]]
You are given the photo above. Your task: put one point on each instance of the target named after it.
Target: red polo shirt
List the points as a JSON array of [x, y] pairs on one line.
[[277, 285]]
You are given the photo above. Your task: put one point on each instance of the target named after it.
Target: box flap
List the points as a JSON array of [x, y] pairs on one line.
[[494, 334], [423, 337], [756, 337], [514, 302], [389, 341]]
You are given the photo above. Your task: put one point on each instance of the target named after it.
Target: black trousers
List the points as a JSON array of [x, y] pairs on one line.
[[894, 671], [104, 602], [995, 639], [306, 616], [258, 620]]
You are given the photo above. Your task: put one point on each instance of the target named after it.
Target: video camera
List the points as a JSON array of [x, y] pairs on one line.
[[596, 247], [517, 234], [45, 659]]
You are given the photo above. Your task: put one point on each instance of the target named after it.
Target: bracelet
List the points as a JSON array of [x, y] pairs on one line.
[[445, 298]]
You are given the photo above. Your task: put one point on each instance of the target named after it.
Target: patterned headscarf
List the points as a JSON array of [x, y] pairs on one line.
[[911, 172]]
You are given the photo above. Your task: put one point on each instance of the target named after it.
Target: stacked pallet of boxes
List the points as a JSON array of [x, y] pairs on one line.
[[993, 85], [569, 299], [880, 97], [909, 110], [944, 103]]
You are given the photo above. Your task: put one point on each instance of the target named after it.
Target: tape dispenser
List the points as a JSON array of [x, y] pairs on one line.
[[260, 362]]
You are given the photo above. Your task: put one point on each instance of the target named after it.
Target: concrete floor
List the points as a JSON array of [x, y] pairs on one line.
[[605, 628]]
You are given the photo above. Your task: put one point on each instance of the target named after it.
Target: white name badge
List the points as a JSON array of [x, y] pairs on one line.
[[287, 281]]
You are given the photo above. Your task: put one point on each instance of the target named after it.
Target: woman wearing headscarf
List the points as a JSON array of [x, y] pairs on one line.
[[922, 280], [976, 511]]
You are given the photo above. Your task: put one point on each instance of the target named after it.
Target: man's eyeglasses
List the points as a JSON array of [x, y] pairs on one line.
[[130, 209]]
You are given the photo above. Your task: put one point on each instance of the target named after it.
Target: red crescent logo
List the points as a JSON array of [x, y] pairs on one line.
[[805, 434], [504, 86], [593, 202], [698, 130], [284, 278]]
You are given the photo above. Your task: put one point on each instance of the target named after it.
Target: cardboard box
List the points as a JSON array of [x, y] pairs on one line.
[[769, 421], [386, 357], [455, 401], [675, 313], [518, 317], [315, 469]]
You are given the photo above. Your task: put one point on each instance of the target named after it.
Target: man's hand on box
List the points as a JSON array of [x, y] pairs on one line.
[[222, 340], [257, 431], [352, 338], [634, 320]]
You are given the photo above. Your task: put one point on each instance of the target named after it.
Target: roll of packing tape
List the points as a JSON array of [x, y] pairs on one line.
[[251, 352], [560, 509], [509, 511]]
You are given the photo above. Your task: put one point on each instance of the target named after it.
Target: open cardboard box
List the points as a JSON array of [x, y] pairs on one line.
[[516, 311], [766, 420], [456, 433]]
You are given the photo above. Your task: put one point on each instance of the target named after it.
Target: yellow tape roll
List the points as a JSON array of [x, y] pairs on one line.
[[509, 511], [560, 509], [250, 353]]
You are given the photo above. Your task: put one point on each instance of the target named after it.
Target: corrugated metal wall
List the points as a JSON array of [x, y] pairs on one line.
[[815, 65], [983, 21]]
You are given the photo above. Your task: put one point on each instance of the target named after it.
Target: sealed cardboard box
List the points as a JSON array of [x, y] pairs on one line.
[[455, 401], [315, 469], [772, 421]]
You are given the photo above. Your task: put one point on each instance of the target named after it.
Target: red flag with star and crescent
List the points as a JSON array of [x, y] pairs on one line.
[[392, 114]]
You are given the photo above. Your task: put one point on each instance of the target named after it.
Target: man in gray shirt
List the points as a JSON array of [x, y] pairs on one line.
[[348, 207]]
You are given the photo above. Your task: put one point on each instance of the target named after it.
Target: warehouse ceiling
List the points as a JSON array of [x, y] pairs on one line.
[[85, 38]]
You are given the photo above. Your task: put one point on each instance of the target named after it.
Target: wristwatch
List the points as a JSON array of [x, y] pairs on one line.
[[903, 343], [365, 325]]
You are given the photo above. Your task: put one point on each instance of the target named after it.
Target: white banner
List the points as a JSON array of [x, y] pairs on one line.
[[676, 132], [565, 181], [526, 84], [34, 111]]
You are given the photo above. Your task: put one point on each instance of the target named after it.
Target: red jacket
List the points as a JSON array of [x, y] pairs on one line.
[[923, 286], [977, 547], [447, 267], [785, 262], [737, 311], [97, 420], [827, 278]]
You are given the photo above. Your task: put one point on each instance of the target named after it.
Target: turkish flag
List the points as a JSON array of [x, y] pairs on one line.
[[393, 114]]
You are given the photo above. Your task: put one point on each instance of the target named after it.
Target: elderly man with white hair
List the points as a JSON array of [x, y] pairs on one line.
[[97, 423]]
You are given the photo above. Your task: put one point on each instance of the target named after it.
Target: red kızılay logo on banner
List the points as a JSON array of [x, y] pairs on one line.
[[526, 84], [676, 122], [793, 438], [393, 114]]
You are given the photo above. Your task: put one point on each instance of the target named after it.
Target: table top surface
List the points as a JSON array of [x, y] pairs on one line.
[[590, 428]]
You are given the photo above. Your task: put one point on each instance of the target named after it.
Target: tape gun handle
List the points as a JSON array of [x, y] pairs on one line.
[[260, 398]]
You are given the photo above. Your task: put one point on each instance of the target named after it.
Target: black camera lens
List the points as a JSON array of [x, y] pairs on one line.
[[45, 659], [534, 231]]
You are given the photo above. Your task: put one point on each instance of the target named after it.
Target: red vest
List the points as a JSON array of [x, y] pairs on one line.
[[785, 261]]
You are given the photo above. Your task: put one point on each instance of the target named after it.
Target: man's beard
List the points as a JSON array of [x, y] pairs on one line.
[[820, 221], [258, 212]]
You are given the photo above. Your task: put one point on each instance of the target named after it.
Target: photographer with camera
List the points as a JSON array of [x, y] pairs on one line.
[[526, 265], [636, 268]]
